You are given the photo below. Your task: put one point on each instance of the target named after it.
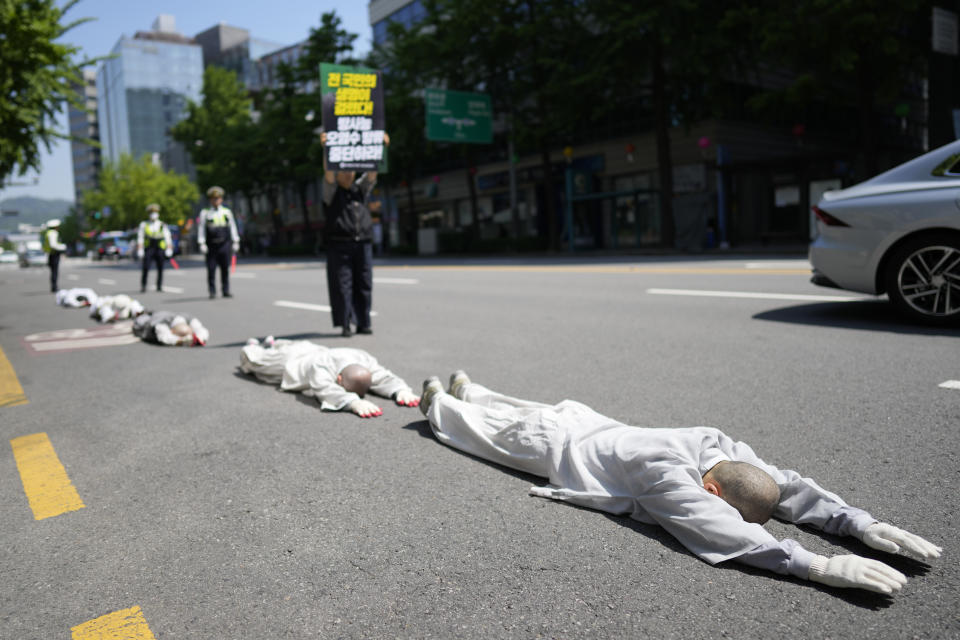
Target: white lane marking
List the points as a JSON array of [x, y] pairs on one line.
[[169, 289], [301, 305], [106, 281], [751, 294], [247, 276], [950, 384], [396, 281], [796, 264], [304, 305], [72, 276]]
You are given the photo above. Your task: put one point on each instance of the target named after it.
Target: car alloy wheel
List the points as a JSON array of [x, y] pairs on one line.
[[925, 280]]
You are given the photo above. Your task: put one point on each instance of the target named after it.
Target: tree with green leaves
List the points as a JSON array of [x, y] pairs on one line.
[[674, 61], [214, 131], [852, 57], [129, 185], [290, 114], [528, 55], [37, 76]]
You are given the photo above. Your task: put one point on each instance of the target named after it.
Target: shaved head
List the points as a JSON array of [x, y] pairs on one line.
[[355, 379], [179, 327], [747, 488]]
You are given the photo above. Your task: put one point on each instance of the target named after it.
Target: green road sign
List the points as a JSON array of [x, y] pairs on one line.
[[456, 116]]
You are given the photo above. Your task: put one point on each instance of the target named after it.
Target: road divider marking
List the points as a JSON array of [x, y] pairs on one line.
[[798, 264], [106, 281], [109, 335], [172, 290], [396, 281], [306, 306], [45, 481], [127, 624], [950, 384], [755, 295], [11, 393]]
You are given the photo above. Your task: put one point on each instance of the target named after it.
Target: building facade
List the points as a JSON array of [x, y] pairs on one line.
[[143, 91], [85, 125], [736, 180]]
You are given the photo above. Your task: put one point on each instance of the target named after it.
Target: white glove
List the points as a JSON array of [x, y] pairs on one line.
[[200, 333], [407, 398], [856, 572], [139, 254], [235, 247], [365, 408], [203, 248], [168, 253], [889, 538]]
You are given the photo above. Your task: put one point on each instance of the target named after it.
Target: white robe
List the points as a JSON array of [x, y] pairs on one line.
[[77, 297], [312, 369], [113, 308], [652, 475]]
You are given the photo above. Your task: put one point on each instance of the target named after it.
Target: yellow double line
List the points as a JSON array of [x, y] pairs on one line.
[[51, 493], [11, 393]]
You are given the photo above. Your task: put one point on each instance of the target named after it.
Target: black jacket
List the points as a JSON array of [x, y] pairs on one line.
[[348, 218]]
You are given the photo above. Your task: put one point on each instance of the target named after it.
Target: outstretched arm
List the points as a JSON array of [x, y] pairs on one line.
[[387, 384]]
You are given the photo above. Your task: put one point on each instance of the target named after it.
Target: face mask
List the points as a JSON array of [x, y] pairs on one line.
[[154, 216]]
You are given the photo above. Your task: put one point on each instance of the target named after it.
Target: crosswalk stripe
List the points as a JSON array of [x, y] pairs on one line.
[[84, 343], [45, 481]]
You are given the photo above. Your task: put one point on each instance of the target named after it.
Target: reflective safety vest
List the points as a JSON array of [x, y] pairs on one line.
[[217, 227], [45, 241], [153, 236]]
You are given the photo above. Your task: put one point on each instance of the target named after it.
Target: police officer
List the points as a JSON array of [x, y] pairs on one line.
[[53, 247], [154, 244], [218, 239]]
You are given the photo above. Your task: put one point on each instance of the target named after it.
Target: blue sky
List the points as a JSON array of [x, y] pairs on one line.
[[282, 21]]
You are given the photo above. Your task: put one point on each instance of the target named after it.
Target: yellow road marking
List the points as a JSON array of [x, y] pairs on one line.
[[128, 624], [11, 393], [45, 481], [560, 268], [605, 269]]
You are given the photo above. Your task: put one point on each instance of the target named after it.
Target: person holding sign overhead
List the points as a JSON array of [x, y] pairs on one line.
[[354, 139], [349, 238]]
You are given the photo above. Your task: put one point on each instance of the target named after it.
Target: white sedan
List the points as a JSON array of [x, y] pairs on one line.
[[899, 234]]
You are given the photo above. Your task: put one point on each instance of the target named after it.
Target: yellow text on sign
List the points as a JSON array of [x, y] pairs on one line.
[[128, 624], [45, 481], [11, 393]]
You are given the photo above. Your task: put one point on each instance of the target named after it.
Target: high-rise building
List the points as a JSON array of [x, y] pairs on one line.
[[144, 90], [383, 12], [83, 124], [232, 48]]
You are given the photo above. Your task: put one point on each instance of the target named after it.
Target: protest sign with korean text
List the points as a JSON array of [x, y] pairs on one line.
[[353, 117]]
